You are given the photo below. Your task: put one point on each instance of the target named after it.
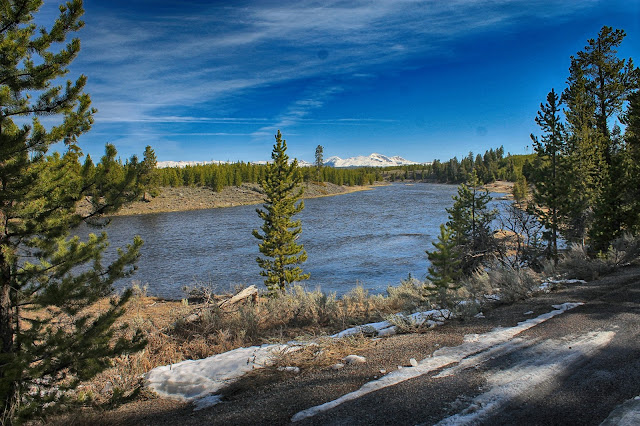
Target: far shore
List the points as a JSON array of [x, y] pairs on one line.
[[199, 198]]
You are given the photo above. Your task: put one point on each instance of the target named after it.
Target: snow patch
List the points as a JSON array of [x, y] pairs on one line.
[[354, 359], [206, 402], [191, 380], [545, 361], [625, 414], [441, 358], [386, 328]]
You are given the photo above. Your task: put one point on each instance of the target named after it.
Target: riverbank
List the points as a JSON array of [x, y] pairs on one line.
[[197, 198]]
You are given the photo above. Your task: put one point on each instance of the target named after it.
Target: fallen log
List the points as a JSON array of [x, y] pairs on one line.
[[249, 292]]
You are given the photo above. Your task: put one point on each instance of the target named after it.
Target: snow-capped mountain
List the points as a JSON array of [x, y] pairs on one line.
[[373, 160]]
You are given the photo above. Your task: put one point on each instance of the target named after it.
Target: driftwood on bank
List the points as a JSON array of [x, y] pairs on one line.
[[250, 292]]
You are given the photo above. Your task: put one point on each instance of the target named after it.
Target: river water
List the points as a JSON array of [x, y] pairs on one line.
[[374, 238]]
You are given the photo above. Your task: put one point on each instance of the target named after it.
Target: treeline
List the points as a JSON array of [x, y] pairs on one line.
[[219, 176], [586, 186], [491, 166], [586, 172]]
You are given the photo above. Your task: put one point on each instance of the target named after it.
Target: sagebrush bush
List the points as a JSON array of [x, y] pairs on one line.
[[510, 283], [408, 296], [576, 263]]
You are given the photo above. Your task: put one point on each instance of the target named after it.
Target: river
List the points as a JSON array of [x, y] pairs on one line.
[[373, 238]]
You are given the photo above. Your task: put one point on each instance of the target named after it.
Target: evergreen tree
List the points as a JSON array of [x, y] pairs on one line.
[[444, 271], [319, 161], [549, 190], [470, 224], [148, 176], [600, 84], [47, 279], [520, 190], [585, 163], [281, 186], [631, 191]]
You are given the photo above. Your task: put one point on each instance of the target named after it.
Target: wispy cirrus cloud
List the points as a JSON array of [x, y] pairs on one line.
[[204, 64]]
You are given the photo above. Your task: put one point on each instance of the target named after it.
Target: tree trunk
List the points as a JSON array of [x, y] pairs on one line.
[[7, 395]]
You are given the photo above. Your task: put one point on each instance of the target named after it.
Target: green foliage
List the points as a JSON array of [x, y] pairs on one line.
[[220, 176], [281, 186], [600, 86], [319, 162], [491, 166], [470, 223], [48, 338], [520, 190], [148, 177], [444, 271], [550, 171]]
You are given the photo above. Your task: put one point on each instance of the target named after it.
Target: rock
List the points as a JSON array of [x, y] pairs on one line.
[[413, 362], [294, 370], [337, 366]]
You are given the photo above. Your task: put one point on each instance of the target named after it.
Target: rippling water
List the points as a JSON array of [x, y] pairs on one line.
[[375, 238]]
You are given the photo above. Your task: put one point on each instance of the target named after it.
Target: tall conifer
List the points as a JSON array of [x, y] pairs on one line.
[[444, 271], [47, 279], [550, 180], [600, 84], [282, 254]]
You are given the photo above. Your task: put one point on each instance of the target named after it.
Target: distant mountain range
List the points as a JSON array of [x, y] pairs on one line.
[[373, 160]]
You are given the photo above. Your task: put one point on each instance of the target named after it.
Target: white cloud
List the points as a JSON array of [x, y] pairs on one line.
[[141, 67]]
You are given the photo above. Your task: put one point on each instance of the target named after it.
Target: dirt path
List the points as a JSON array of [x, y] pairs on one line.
[[599, 342]]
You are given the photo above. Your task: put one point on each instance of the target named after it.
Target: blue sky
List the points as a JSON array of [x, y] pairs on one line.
[[205, 80]]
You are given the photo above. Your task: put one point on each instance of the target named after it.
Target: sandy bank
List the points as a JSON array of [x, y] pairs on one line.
[[196, 198]]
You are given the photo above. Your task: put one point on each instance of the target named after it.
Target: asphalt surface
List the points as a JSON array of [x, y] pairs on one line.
[[575, 368]]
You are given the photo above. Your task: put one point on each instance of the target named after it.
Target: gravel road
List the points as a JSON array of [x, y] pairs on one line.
[[574, 367]]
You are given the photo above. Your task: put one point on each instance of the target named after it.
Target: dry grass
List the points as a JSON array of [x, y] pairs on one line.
[[177, 331]]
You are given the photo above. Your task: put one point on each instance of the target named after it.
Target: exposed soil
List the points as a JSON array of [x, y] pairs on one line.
[[196, 198], [502, 187]]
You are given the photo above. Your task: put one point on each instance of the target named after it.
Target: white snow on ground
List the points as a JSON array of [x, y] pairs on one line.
[[473, 345], [543, 361], [551, 283], [386, 328], [196, 380], [626, 414], [191, 380]]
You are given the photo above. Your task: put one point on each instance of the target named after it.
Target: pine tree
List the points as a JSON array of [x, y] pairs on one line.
[[319, 163], [148, 177], [585, 165], [604, 83], [550, 189], [470, 224], [631, 191], [48, 279], [520, 190], [444, 271], [281, 186]]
